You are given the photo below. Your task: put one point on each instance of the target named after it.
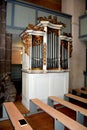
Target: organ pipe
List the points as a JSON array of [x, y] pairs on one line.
[[46, 47]]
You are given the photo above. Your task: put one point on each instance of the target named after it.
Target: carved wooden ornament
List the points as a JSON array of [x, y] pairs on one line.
[[26, 39]]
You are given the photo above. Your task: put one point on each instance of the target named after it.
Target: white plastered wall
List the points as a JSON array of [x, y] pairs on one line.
[[76, 8]]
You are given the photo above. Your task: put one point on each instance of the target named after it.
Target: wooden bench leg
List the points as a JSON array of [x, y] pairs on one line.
[[80, 118], [4, 112], [33, 107], [5, 116], [58, 125], [66, 98], [50, 102]]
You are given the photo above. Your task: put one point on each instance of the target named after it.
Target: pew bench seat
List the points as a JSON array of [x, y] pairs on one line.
[[80, 112], [78, 98], [60, 119], [80, 92], [14, 116]]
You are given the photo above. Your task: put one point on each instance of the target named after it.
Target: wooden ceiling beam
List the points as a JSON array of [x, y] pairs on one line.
[[49, 4]]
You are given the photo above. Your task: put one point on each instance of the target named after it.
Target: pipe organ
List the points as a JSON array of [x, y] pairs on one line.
[[45, 50]]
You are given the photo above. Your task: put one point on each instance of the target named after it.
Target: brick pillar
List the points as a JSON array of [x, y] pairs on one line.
[[5, 41], [2, 35], [8, 52]]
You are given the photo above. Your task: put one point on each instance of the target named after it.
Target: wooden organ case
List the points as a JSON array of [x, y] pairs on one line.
[[45, 64]]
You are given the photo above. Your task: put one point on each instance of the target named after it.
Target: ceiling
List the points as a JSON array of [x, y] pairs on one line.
[[50, 4]]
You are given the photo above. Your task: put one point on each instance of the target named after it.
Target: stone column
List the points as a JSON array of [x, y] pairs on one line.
[[76, 8], [5, 41], [2, 35], [8, 52]]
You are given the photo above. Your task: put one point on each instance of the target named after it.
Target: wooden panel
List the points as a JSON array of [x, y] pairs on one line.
[[51, 4], [27, 15], [9, 14], [41, 85], [83, 26], [67, 22]]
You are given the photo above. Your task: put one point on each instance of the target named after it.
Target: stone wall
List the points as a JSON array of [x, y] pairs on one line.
[[8, 52], [2, 35], [5, 41], [76, 8]]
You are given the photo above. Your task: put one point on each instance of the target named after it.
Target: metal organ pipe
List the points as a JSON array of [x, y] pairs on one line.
[[53, 50]]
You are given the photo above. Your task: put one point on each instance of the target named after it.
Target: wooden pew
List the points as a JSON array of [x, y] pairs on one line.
[[78, 98], [60, 119], [14, 116], [80, 92], [80, 112]]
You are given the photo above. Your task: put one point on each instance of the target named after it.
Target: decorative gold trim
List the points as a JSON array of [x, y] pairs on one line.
[[26, 39], [34, 27], [37, 40], [51, 20], [51, 30], [37, 69], [55, 69], [65, 44], [44, 53]]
